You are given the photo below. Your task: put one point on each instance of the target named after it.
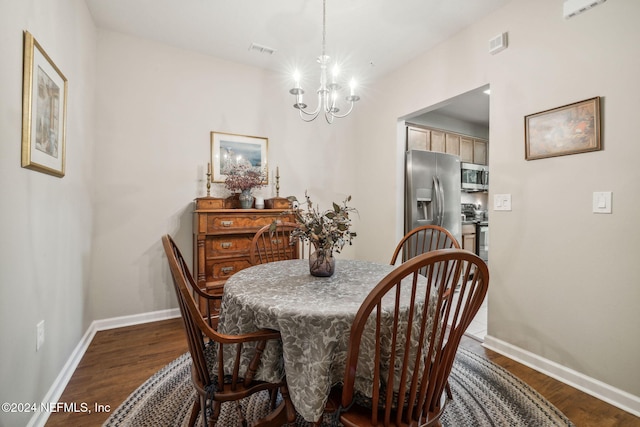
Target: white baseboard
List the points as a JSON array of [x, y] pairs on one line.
[[616, 397], [135, 319], [40, 418]]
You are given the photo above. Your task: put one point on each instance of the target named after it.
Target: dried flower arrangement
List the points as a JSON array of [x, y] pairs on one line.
[[243, 177], [328, 230]]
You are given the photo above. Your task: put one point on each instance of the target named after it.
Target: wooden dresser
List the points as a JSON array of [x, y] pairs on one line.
[[222, 236]]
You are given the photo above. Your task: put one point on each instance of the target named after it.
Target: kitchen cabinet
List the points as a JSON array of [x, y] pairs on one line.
[[222, 238], [479, 152], [418, 139], [438, 141], [469, 237], [452, 144], [468, 148]]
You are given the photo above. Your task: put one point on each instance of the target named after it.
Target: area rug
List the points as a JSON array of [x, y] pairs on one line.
[[484, 394]]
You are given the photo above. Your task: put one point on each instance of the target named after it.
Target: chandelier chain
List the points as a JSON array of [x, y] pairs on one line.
[[324, 26]]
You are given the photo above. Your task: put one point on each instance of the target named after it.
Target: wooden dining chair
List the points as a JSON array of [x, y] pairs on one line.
[[208, 301], [424, 239], [420, 344], [206, 346], [272, 243]]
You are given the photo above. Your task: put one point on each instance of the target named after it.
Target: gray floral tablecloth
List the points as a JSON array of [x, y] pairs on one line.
[[314, 316]]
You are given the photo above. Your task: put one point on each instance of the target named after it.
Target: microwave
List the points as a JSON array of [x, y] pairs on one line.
[[474, 177]]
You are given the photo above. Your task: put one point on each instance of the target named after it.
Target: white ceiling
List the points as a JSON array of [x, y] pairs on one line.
[[471, 107], [369, 37]]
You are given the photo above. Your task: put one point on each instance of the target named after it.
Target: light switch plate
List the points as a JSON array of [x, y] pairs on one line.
[[602, 202], [502, 202]]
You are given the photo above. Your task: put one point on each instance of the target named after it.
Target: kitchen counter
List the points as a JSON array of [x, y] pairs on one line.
[[475, 221]]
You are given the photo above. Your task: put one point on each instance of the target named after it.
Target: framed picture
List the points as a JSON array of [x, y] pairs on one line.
[[44, 111], [228, 149], [570, 129]]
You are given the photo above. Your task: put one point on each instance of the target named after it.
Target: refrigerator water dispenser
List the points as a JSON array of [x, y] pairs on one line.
[[424, 208]]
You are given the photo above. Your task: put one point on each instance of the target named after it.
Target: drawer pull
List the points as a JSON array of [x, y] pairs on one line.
[[225, 245], [226, 270], [227, 223]]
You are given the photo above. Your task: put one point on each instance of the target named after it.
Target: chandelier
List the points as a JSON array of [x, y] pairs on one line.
[[329, 90]]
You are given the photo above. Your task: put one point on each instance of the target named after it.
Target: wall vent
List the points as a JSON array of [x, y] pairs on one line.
[[571, 8], [498, 43], [262, 49]]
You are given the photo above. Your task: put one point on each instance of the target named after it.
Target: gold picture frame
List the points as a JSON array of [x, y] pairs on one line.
[[44, 111], [227, 147], [570, 129]]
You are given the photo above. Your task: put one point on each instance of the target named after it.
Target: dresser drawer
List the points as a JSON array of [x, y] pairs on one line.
[[228, 244], [223, 268], [230, 223]]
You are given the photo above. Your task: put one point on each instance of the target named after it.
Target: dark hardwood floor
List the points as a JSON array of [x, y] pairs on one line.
[[119, 360], [115, 364]]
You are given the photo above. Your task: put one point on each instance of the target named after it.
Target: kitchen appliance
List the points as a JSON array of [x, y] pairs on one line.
[[474, 177], [473, 213], [432, 191], [482, 236]]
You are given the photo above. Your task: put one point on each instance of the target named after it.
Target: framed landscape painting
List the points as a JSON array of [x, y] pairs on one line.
[[228, 149], [44, 110], [570, 129]]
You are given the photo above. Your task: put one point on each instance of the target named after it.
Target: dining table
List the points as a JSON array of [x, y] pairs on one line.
[[312, 314]]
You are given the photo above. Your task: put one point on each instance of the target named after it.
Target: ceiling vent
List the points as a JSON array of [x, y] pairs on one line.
[[498, 43], [262, 49], [571, 8]]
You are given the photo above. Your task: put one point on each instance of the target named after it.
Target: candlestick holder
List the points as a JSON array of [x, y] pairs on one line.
[[277, 183], [208, 184]]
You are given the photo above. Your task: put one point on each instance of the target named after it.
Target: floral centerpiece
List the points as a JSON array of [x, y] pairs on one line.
[[327, 231], [243, 178]]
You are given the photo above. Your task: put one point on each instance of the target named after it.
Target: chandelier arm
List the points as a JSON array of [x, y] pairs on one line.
[[329, 117], [315, 112], [311, 118], [341, 116]]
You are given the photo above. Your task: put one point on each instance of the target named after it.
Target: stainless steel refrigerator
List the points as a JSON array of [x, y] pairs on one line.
[[432, 191]]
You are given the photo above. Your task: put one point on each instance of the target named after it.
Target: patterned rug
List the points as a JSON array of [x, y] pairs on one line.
[[484, 394]]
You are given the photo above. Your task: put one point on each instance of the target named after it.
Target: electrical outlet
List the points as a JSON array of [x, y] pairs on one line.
[[39, 334]]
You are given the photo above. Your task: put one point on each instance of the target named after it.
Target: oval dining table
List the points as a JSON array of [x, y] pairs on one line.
[[314, 317]]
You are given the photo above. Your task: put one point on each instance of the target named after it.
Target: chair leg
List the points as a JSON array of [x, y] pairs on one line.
[[289, 409], [213, 419], [193, 417], [203, 411], [283, 414], [242, 421]]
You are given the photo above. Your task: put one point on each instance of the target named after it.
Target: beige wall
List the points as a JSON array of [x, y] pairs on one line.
[[564, 287], [156, 107], [87, 246], [45, 222]]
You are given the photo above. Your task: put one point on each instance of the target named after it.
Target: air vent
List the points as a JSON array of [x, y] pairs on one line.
[[498, 43], [571, 8], [262, 49]]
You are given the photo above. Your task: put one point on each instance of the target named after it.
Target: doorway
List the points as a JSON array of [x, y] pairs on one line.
[[466, 114]]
